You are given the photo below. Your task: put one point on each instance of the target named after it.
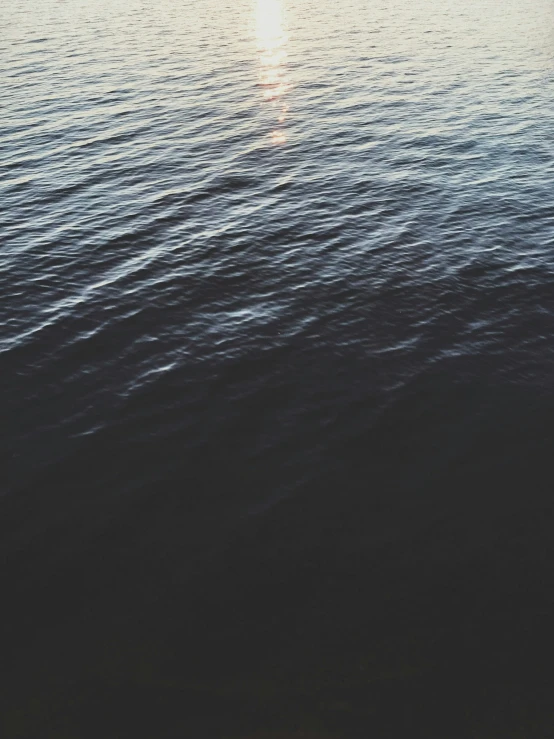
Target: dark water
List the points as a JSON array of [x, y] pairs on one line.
[[277, 300]]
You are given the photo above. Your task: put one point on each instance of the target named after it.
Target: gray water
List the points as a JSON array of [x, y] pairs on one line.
[[277, 278]]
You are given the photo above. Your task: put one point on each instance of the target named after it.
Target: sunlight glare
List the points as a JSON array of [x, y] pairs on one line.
[[272, 39]]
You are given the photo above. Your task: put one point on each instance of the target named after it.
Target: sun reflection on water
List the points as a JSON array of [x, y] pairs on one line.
[[272, 39]]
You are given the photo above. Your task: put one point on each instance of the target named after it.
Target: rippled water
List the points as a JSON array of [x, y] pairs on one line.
[[274, 252]]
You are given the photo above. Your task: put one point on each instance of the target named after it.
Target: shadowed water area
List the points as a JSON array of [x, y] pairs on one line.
[[277, 308]]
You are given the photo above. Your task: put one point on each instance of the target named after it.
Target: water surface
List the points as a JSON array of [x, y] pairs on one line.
[[277, 299]]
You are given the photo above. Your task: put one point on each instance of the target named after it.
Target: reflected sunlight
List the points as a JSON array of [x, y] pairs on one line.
[[271, 39]]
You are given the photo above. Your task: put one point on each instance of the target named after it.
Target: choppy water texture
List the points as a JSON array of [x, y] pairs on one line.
[[277, 300]]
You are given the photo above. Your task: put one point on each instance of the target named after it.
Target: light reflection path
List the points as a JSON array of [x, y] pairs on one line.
[[271, 40]]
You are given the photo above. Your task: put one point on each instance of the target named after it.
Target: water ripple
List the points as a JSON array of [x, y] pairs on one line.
[[189, 196]]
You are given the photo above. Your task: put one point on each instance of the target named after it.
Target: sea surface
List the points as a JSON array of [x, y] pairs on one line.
[[277, 360]]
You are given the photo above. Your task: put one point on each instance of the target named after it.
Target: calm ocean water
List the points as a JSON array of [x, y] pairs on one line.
[[277, 300]]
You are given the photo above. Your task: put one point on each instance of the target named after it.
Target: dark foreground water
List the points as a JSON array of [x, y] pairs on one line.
[[277, 402]]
